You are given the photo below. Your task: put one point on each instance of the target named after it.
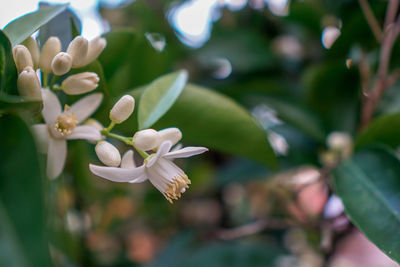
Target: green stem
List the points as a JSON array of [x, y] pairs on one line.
[[109, 128], [45, 78], [142, 153], [126, 140], [53, 81]]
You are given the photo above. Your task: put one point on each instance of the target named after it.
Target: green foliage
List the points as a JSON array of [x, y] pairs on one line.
[[369, 186], [382, 130], [21, 193], [8, 71], [204, 116], [158, 97], [20, 29]]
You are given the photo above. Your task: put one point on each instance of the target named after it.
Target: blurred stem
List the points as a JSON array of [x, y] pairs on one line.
[[45, 78], [371, 19], [383, 80], [53, 81]]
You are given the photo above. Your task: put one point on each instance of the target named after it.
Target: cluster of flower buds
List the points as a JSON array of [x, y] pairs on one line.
[[51, 60], [157, 167]]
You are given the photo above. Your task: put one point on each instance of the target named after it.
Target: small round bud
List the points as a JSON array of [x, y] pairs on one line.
[[329, 36], [28, 83], [122, 109], [146, 139], [80, 83], [22, 57], [171, 134], [78, 49], [95, 47], [49, 50], [61, 63], [33, 48], [108, 154], [341, 142]]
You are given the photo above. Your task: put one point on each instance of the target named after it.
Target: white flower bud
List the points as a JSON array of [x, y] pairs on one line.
[[95, 47], [146, 139], [28, 83], [341, 142], [108, 154], [22, 57], [78, 49], [122, 109], [80, 83], [61, 63], [49, 50], [33, 48], [329, 36], [171, 134]]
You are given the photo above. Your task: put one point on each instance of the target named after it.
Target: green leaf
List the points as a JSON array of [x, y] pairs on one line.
[[8, 71], [213, 120], [159, 96], [20, 29], [21, 189], [384, 130], [11, 253], [12, 103], [369, 185]]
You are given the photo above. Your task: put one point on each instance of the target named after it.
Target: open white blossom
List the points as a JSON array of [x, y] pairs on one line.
[[64, 125], [158, 168]]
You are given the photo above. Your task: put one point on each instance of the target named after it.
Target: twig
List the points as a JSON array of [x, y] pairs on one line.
[[391, 12], [253, 228], [371, 101], [372, 21]]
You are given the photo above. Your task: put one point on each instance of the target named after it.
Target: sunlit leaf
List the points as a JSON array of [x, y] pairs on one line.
[[369, 185], [213, 120], [20, 29], [159, 96]]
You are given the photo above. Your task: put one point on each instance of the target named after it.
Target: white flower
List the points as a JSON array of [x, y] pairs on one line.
[[61, 126], [167, 177]]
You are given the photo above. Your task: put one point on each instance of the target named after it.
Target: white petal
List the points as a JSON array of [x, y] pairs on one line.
[[85, 132], [41, 133], [162, 150], [139, 179], [86, 106], [177, 147], [115, 174], [186, 152], [127, 160], [56, 155], [51, 106]]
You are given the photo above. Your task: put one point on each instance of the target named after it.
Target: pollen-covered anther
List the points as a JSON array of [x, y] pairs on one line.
[[66, 123], [177, 186]]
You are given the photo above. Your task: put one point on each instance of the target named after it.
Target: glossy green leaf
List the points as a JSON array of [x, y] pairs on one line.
[[159, 96], [369, 185], [213, 120], [20, 29], [21, 189], [384, 130], [8, 71]]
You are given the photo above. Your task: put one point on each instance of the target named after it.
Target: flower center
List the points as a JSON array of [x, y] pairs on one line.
[[65, 123], [177, 187]]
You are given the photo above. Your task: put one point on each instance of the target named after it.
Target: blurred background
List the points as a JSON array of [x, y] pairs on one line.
[[290, 64]]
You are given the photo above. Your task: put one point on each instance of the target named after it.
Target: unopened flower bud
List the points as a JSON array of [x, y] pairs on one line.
[[95, 47], [28, 83], [171, 134], [127, 160], [22, 57], [341, 142], [78, 49], [49, 50], [108, 154], [80, 83], [61, 63], [122, 109], [33, 48], [146, 139]]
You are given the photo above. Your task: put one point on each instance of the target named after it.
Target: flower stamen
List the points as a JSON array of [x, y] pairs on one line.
[[65, 123], [177, 186]]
